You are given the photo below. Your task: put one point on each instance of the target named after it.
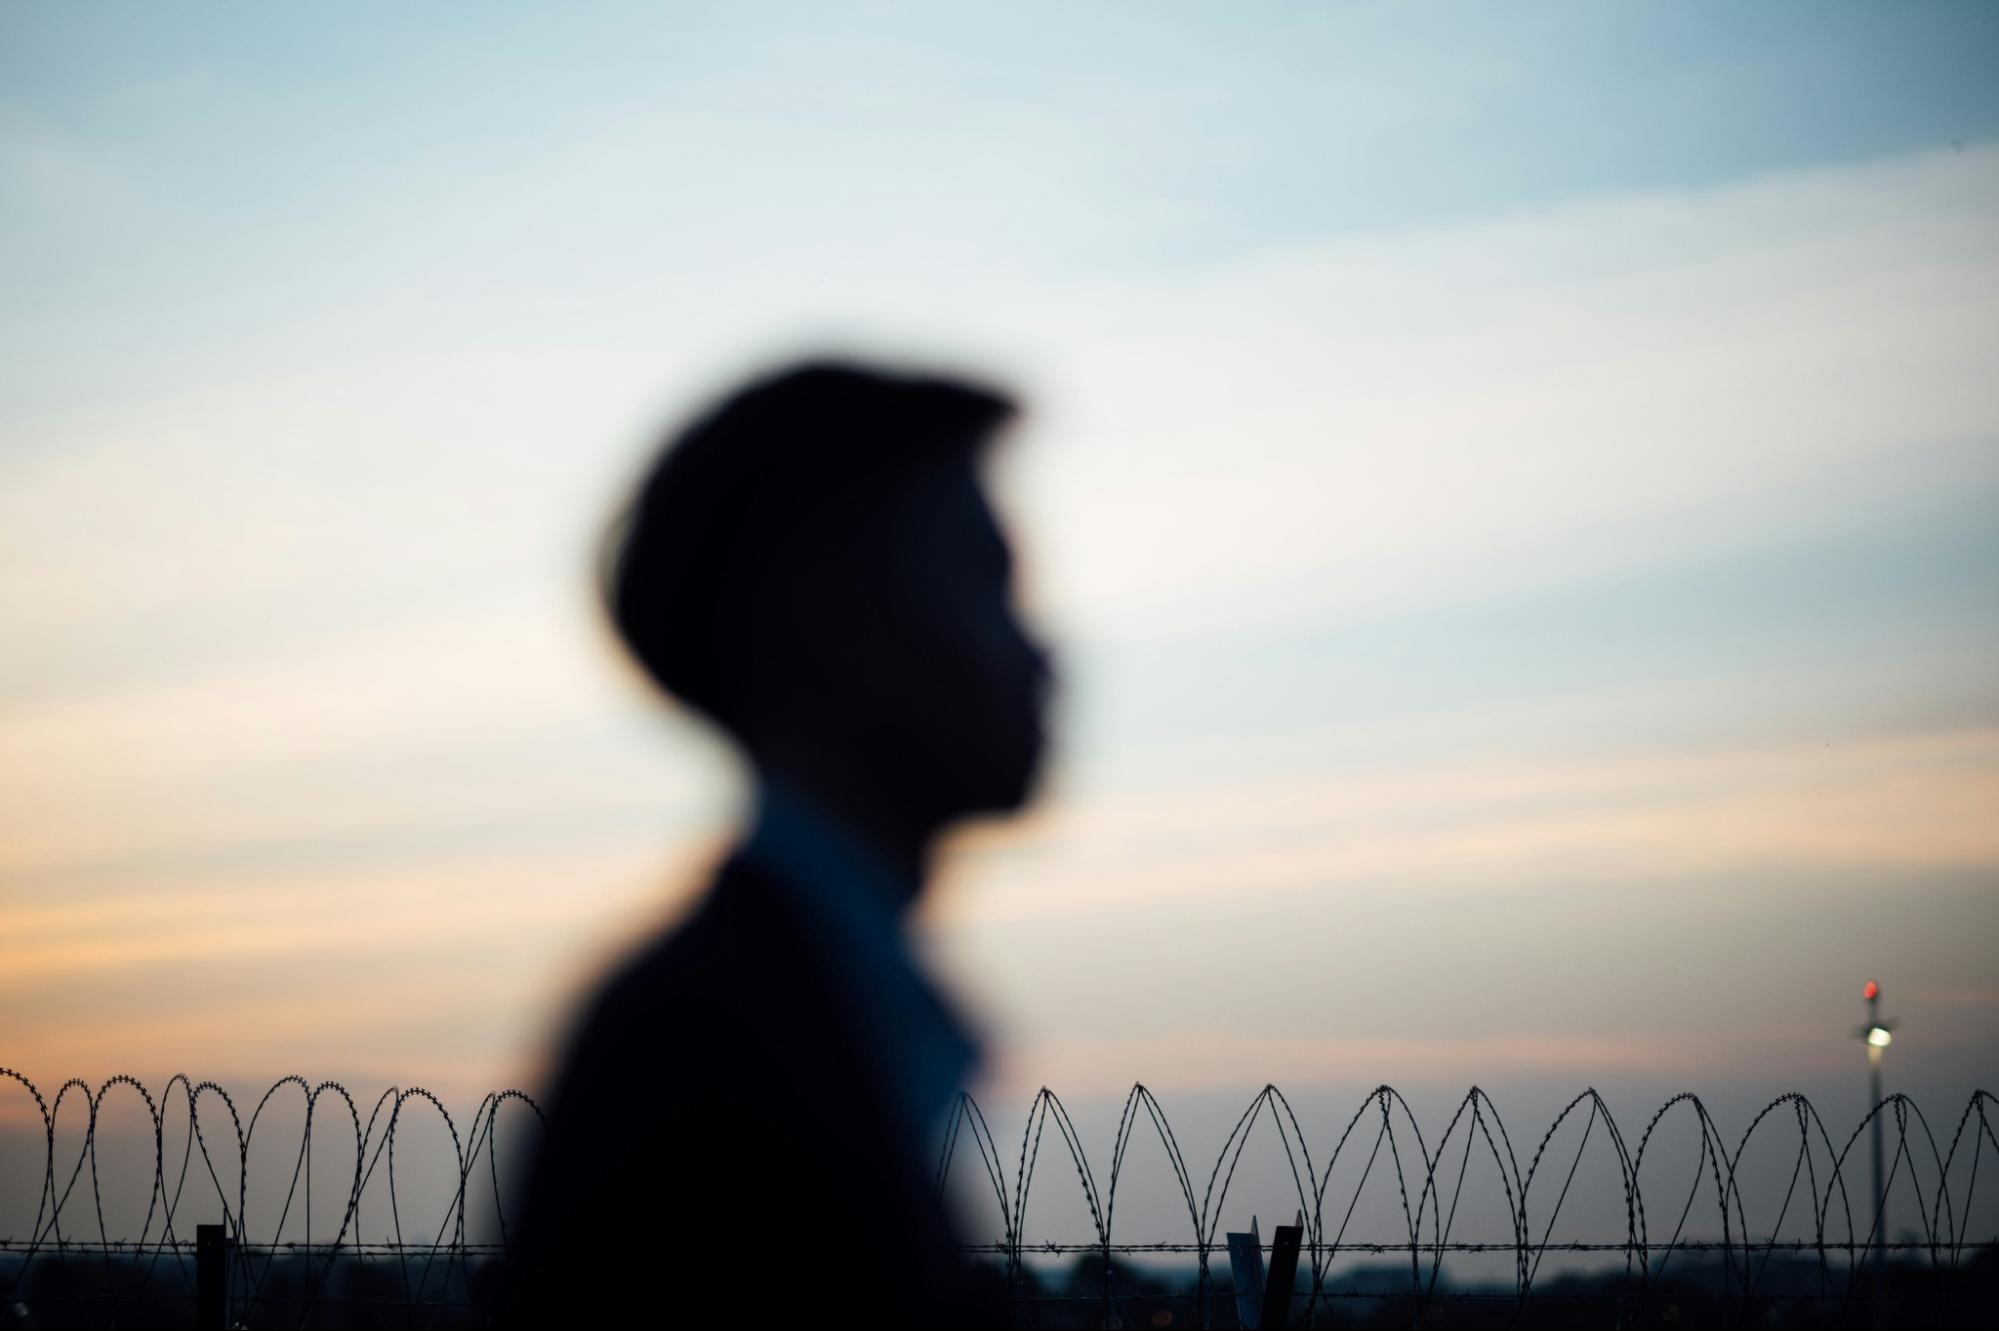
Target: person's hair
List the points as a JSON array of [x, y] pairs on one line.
[[719, 508]]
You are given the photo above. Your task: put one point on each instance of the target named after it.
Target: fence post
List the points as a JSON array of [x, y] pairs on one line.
[[211, 1277], [1285, 1241], [1246, 1274]]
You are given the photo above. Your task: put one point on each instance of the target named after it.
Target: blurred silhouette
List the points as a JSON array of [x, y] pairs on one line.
[[749, 1108]]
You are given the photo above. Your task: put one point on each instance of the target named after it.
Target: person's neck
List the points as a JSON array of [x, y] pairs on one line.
[[886, 829]]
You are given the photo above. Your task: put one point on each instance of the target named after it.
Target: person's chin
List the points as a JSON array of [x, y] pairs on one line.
[[1005, 778], [1021, 784], [1004, 791]]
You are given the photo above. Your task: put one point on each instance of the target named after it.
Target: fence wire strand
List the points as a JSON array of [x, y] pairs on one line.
[[1837, 1228]]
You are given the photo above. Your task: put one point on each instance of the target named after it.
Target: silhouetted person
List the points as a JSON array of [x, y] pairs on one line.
[[743, 1129]]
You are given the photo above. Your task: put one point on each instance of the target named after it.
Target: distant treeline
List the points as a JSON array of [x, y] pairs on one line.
[[86, 1288]]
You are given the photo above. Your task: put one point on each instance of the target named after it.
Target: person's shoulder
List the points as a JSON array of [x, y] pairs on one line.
[[673, 967], [723, 946]]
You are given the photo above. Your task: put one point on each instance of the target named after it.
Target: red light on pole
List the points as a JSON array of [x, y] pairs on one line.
[[1877, 1033]]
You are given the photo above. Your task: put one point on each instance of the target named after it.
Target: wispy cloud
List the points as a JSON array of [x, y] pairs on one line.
[[1916, 801], [293, 642]]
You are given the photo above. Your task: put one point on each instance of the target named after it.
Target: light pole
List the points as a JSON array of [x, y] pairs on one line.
[[1878, 1035]]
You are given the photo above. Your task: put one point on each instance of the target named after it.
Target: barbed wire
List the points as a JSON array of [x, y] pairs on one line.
[[1837, 1226]]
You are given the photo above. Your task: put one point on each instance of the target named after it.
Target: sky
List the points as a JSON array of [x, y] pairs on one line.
[[1513, 489]]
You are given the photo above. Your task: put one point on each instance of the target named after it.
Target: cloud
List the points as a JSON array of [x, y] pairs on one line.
[[300, 628], [1920, 801], [1464, 411], [1245, 1062]]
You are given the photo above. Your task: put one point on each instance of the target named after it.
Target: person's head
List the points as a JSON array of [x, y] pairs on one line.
[[813, 565]]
